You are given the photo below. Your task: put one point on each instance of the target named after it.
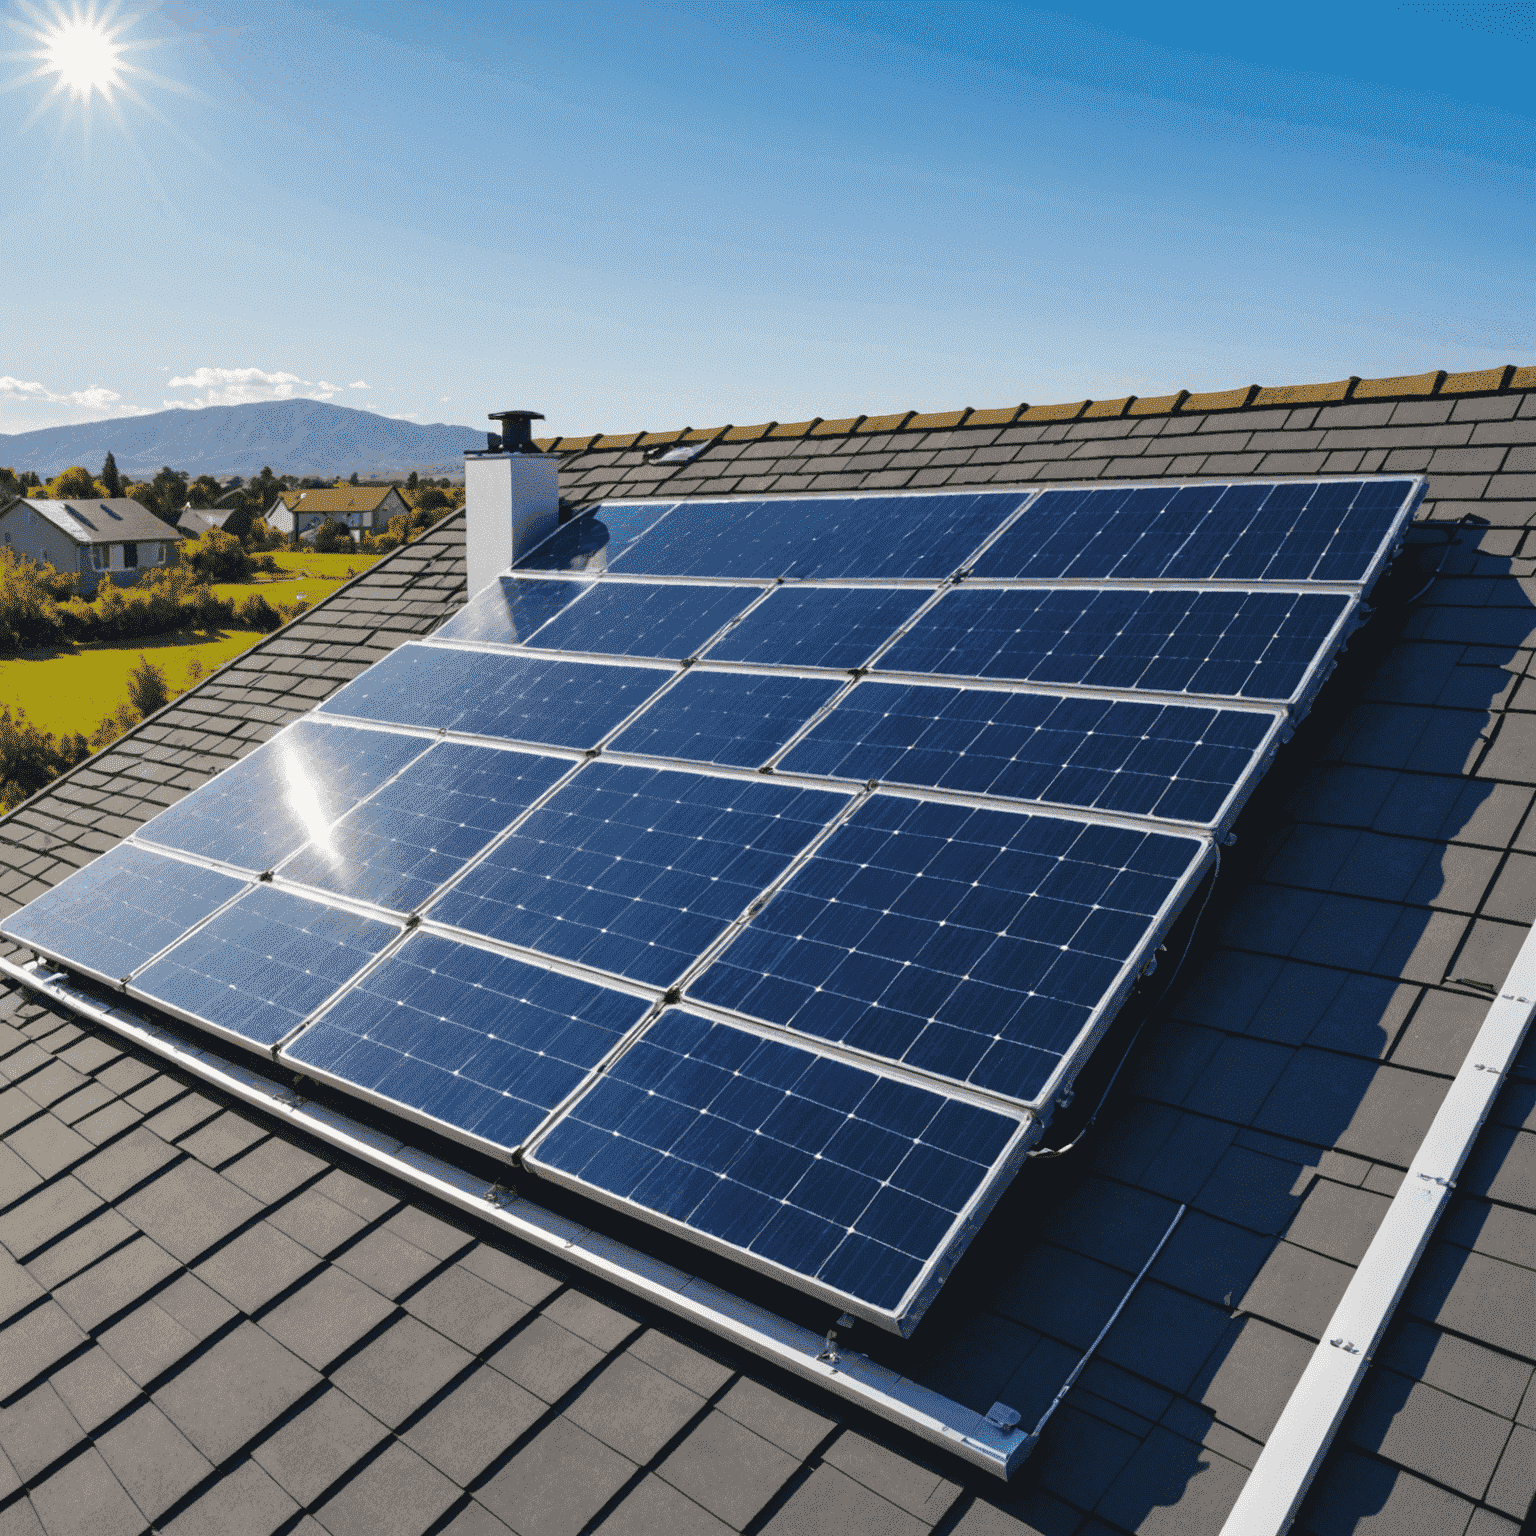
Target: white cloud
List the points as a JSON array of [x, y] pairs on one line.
[[442, 399], [96, 398], [241, 386], [359, 385]]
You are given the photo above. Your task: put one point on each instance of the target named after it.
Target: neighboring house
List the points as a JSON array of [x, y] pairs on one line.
[[210, 1321], [195, 521], [360, 508], [118, 535]]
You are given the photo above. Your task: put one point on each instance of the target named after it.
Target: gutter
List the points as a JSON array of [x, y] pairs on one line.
[[1300, 1440]]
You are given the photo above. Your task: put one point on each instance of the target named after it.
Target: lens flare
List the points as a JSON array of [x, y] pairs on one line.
[[84, 57]]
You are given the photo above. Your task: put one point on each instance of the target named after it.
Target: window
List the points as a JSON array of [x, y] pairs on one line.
[[130, 555], [101, 557]]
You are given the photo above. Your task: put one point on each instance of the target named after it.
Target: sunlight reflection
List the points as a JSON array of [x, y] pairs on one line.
[[304, 801]]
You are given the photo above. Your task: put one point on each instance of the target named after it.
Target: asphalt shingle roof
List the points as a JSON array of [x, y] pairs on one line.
[[110, 521], [209, 1323]]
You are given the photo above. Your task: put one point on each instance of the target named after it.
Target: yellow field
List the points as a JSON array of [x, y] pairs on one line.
[[71, 689]]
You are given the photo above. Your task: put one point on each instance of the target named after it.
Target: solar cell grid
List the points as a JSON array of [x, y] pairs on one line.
[[592, 542], [734, 718], [840, 1175], [636, 871], [481, 1045], [1244, 531], [289, 790], [805, 626], [972, 944], [396, 849], [482, 693], [1249, 645], [628, 618], [1177, 762], [263, 965], [509, 610], [121, 910]]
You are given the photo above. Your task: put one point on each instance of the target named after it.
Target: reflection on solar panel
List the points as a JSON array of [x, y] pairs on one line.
[[830, 1173], [641, 619], [263, 965], [509, 610], [478, 1045], [727, 717], [1172, 761], [819, 626], [805, 998], [636, 871], [119, 912], [397, 848], [275, 800], [973, 944], [1245, 645], [516, 698]]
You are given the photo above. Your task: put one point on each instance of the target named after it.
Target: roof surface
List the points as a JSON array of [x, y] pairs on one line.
[[214, 1325], [111, 521], [338, 498]]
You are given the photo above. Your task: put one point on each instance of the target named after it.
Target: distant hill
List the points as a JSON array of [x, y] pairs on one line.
[[296, 437]]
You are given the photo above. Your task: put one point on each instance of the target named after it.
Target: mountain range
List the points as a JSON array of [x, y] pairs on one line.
[[294, 437]]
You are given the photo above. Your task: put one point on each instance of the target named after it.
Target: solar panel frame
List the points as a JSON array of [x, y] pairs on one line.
[[904, 1317]]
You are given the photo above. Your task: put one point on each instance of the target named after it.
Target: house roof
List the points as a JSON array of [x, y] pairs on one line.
[[115, 520], [208, 1314], [336, 499]]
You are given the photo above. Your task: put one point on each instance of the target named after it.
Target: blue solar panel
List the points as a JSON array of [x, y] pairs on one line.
[[627, 618], [734, 718], [1174, 761], [830, 537], [1248, 531], [975, 944], [480, 1045], [841, 1176], [509, 610], [263, 965], [283, 794], [819, 626], [421, 829], [481, 693], [1249, 645], [120, 911], [636, 871], [592, 542]]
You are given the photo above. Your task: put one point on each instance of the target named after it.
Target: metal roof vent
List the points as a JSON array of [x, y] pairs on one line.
[[516, 434]]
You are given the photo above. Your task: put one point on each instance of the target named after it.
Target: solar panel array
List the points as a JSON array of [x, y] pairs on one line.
[[762, 868]]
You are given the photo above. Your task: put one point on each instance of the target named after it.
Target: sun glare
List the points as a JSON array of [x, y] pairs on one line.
[[84, 57]]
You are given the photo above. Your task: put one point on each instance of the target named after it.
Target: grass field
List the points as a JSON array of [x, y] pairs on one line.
[[72, 688]]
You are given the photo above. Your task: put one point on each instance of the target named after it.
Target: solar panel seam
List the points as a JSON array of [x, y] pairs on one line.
[[1076, 690]]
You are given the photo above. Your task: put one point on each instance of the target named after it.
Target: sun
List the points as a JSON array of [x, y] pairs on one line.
[[84, 56]]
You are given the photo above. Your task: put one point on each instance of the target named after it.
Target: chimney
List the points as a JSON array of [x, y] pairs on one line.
[[511, 497]]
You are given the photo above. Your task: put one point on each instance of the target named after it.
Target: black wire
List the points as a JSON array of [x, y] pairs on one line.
[[1450, 542], [1146, 1017]]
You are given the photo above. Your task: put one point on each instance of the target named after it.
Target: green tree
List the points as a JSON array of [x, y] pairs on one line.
[[204, 491], [75, 484], [331, 537], [30, 758], [353, 479], [218, 556], [239, 522], [411, 481], [111, 481], [29, 479], [165, 495], [431, 499], [147, 687]]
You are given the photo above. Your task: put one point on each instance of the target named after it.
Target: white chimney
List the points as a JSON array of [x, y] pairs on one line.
[[511, 498]]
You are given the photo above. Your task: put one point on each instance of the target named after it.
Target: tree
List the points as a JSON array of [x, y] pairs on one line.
[[410, 480], [431, 499], [353, 480], [110, 479], [165, 495], [218, 556], [147, 687], [238, 523], [75, 484], [204, 491], [332, 537]]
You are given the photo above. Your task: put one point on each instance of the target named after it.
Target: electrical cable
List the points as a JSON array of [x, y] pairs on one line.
[[1450, 542]]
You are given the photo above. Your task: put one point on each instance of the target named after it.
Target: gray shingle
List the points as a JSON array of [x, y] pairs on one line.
[[397, 1494], [318, 1446], [395, 1373], [556, 1483], [729, 1470]]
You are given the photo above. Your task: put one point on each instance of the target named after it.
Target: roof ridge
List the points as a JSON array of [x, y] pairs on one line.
[[1507, 377]]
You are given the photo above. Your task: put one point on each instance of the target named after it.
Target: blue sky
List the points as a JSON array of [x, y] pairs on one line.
[[655, 215]]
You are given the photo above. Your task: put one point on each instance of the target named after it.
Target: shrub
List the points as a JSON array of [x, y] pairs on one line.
[[120, 721], [255, 612], [29, 598], [30, 758], [331, 537], [386, 542], [147, 687], [218, 556]]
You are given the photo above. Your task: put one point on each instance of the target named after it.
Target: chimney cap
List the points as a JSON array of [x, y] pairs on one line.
[[516, 431]]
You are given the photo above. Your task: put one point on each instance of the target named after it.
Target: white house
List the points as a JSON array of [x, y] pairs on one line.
[[362, 508]]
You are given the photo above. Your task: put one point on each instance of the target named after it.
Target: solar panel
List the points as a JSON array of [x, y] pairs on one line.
[[829, 1174], [421, 829], [261, 966], [636, 871], [476, 1045], [479, 693], [1170, 761], [738, 718], [977, 945], [819, 626], [807, 1015], [119, 912], [1242, 645], [269, 804]]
